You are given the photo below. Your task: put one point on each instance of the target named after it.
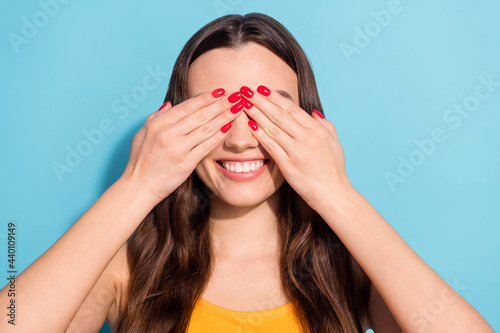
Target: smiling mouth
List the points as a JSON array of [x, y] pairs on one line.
[[243, 166]]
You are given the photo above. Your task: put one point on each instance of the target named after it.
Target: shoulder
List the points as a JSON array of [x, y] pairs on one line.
[[120, 275]]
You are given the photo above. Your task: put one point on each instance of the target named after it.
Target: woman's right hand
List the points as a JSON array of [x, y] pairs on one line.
[[174, 139]]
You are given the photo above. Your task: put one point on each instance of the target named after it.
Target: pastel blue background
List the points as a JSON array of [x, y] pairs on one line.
[[73, 72]]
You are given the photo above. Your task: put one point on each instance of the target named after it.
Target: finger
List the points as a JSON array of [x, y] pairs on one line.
[[193, 104], [200, 118], [271, 146], [165, 107], [282, 111], [208, 129], [328, 124], [206, 146], [272, 130]]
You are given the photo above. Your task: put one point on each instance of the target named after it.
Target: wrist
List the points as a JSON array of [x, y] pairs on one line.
[[338, 202], [136, 193]]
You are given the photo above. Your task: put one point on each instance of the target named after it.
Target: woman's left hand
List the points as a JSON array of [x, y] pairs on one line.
[[305, 148]]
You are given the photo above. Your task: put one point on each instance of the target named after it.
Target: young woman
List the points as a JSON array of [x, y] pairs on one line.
[[235, 214]]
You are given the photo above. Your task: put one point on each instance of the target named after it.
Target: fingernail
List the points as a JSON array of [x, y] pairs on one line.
[[246, 103], [218, 92], [246, 91], [226, 128], [319, 114], [253, 124], [161, 107], [264, 90], [234, 97], [237, 108]]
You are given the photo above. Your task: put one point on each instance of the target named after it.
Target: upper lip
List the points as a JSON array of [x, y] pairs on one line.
[[241, 159]]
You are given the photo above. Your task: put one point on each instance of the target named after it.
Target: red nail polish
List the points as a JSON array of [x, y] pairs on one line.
[[161, 107], [264, 90], [237, 108], [234, 97], [218, 92], [226, 128], [319, 114], [253, 124], [246, 103], [246, 91]]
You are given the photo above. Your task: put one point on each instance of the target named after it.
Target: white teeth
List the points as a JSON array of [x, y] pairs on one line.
[[243, 167]]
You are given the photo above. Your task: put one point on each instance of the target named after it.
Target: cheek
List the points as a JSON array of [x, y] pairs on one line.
[[202, 170]]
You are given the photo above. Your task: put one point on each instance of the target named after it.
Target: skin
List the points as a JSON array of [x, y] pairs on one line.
[[84, 274], [310, 157], [244, 225]]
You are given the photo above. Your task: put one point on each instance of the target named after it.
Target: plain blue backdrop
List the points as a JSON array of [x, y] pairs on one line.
[[413, 88]]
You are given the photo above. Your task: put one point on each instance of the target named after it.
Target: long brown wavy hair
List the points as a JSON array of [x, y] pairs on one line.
[[170, 253]]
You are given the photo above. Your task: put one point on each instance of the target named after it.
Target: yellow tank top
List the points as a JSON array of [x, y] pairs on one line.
[[208, 317]]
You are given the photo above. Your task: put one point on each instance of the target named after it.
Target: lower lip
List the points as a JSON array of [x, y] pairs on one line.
[[242, 176]]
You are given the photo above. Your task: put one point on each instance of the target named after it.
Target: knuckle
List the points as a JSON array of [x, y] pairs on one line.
[[162, 139], [185, 108], [280, 115], [325, 133], [200, 116], [151, 126], [206, 129], [292, 110], [273, 132]]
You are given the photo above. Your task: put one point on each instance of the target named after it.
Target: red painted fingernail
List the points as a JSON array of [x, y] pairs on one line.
[[237, 108], [234, 97], [161, 107], [226, 128], [246, 103], [253, 124], [319, 114], [264, 90], [246, 91], [218, 92]]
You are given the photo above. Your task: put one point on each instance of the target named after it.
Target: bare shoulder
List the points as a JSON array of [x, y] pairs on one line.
[[120, 272]]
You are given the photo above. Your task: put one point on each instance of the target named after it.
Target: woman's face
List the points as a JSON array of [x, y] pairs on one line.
[[251, 66]]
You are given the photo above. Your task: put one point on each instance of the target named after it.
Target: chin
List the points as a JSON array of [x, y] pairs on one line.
[[244, 198]]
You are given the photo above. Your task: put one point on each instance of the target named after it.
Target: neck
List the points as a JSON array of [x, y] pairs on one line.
[[244, 232]]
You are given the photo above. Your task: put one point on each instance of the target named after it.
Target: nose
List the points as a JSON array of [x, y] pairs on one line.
[[240, 136]]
